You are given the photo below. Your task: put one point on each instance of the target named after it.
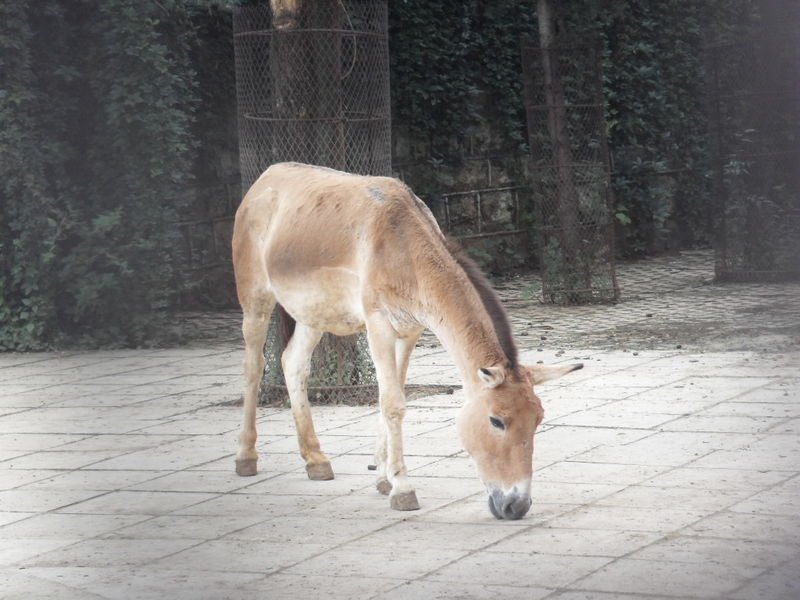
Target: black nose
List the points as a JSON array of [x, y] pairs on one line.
[[509, 506]]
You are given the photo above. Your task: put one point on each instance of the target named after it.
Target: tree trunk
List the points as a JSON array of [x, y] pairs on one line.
[[306, 74], [567, 207]]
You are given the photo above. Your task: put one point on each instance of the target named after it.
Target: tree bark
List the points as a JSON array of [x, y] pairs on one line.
[[567, 201]]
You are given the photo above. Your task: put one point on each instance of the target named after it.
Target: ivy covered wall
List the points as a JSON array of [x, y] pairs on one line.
[[456, 88], [95, 146], [113, 111]]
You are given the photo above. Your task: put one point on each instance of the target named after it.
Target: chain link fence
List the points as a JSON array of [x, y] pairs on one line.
[[312, 84], [570, 170], [754, 117]]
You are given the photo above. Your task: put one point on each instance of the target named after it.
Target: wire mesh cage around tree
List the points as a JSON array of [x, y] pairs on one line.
[[571, 172], [312, 86], [754, 116], [312, 83]]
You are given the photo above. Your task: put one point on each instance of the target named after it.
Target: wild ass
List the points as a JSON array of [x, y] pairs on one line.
[[344, 253]]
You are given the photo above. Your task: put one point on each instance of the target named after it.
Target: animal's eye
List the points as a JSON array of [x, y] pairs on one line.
[[497, 423]]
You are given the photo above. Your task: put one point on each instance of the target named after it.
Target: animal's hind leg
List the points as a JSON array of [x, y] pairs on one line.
[[254, 330], [296, 361]]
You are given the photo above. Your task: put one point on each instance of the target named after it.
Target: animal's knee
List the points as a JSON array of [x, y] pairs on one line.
[[254, 365], [393, 408]]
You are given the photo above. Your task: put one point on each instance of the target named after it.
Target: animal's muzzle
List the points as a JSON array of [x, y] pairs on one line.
[[512, 505]]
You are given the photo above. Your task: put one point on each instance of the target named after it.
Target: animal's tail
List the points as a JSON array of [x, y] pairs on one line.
[[285, 326]]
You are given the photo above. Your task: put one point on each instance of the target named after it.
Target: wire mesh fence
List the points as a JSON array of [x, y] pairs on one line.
[[571, 171], [312, 84], [754, 116]]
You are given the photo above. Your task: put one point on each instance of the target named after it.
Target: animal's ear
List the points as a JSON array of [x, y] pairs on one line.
[[540, 373], [492, 376]]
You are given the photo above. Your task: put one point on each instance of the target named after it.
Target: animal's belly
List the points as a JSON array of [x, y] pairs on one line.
[[326, 299]]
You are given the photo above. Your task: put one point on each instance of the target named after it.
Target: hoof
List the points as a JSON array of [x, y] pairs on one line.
[[404, 501], [383, 485], [246, 467], [320, 472]]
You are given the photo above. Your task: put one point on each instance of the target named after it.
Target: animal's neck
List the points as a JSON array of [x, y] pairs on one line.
[[458, 318]]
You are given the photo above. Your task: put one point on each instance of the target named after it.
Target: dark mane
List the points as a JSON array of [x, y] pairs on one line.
[[491, 302]]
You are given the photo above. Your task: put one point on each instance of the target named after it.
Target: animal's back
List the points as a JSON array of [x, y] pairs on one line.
[[318, 236]]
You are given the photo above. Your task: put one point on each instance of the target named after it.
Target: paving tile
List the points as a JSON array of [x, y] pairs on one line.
[[781, 529], [297, 484], [791, 427], [34, 442], [595, 595], [266, 505], [361, 559], [626, 518], [306, 529], [611, 415], [27, 500], [12, 517], [656, 468], [17, 584], [576, 542], [564, 442], [557, 407], [706, 500], [328, 585], [681, 579], [12, 478], [61, 459], [108, 553], [713, 550], [66, 526], [89, 480], [598, 472], [182, 454], [770, 502], [776, 584], [526, 569], [446, 590], [667, 448], [717, 479], [249, 556], [137, 503], [753, 407], [18, 550], [145, 583], [211, 482], [723, 424], [773, 453], [193, 527], [414, 534], [119, 442], [557, 492]]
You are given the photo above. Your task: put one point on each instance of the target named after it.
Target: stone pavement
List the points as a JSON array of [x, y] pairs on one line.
[[661, 471]]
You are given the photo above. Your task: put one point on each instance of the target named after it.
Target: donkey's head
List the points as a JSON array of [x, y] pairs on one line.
[[496, 425]]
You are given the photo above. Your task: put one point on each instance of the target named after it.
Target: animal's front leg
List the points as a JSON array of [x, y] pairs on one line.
[[382, 338], [403, 348], [382, 483]]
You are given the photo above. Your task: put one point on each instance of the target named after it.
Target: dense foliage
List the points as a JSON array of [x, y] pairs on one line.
[[104, 105], [96, 109], [456, 73], [456, 67]]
